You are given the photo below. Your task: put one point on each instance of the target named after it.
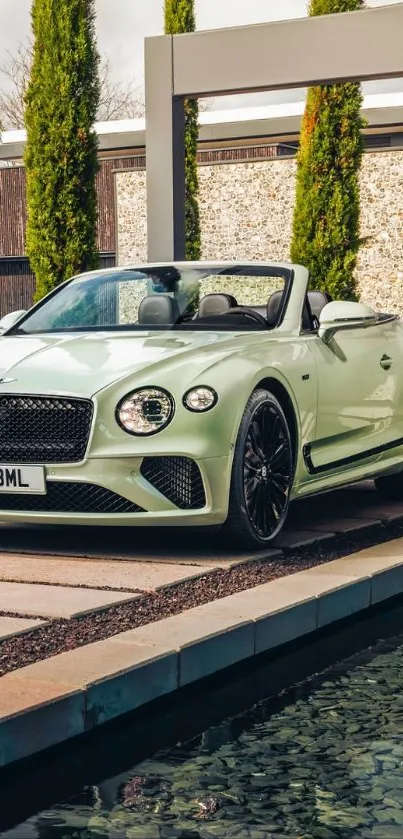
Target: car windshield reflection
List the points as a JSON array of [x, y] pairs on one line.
[[151, 298]]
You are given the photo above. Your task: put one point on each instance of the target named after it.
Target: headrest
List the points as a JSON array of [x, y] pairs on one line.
[[318, 300], [158, 309], [273, 307], [216, 304]]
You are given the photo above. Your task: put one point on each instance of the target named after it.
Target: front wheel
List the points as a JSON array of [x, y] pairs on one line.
[[262, 474]]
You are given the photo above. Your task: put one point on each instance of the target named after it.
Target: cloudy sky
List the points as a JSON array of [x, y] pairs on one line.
[[123, 25]]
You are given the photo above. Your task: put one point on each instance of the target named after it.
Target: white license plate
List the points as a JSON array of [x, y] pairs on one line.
[[22, 479]]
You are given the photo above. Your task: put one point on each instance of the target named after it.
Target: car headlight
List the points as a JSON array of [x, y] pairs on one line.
[[145, 411], [200, 399]]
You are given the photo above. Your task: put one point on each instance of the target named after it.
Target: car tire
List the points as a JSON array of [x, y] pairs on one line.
[[259, 494], [390, 487]]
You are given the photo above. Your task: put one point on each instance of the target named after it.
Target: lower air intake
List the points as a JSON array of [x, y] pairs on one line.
[[178, 479]]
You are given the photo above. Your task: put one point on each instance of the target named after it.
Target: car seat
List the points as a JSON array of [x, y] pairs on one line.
[[158, 309], [215, 304], [273, 308]]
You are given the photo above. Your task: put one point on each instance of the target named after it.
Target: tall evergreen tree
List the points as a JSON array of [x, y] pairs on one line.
[[327, 212], [179, 18], [61, 152]]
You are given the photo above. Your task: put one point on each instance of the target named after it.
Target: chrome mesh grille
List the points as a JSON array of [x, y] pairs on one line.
[[41, 429], [178, 478]]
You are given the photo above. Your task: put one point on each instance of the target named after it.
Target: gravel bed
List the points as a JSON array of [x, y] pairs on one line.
[[62, 635]]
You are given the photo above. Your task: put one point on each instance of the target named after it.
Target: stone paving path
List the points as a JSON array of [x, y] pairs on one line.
[[16, 626], [48, 573]]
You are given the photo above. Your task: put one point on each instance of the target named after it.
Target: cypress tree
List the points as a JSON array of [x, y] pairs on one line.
[[61, 152], [179, 18], [327, 211]]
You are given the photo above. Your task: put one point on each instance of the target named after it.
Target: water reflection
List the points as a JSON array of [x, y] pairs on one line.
[[324, 764]]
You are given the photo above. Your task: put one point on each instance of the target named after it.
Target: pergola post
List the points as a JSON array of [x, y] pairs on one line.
[[327, 49], [165, 146]]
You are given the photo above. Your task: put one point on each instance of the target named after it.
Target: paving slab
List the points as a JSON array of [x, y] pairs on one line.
[[55, 601], [393, 548], [363, 563], [314, 601], [357, 501], [385, 572], [144, 576], [117, 678], [206, 642], [178, 546], [18, 694], [344, 525], [17, 626], [291, 538], [35, 715], [92, 663], [385, 510], [272, 611]]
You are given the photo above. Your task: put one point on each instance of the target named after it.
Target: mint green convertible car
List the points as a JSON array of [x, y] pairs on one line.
[[195, 394]]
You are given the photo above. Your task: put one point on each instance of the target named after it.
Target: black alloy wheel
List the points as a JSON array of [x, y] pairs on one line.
[[262, 474]]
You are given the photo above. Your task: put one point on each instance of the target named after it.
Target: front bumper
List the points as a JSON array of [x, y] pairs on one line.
[[123, 477]]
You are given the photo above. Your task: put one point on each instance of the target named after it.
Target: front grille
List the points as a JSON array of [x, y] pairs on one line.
[[41, 429], [178, 478], [69, 497]]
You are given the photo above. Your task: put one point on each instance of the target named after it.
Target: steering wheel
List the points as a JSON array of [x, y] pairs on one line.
[[249, 313]]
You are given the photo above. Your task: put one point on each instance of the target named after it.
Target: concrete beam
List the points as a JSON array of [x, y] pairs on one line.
[[297, 53], [127, 135], [293, 53]]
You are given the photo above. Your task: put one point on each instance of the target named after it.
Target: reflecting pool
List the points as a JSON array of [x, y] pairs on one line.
[[322, 761]]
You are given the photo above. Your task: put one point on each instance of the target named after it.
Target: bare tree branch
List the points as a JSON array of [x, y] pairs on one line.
[[16, 70], [118, 100]]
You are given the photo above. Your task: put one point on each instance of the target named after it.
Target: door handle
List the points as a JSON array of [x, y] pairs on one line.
[[386, 362]]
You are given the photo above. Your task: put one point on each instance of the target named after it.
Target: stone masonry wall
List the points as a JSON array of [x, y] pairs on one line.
[[246, 213]]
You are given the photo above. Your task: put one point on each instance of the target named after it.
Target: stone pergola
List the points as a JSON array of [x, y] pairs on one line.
[[353, 46]]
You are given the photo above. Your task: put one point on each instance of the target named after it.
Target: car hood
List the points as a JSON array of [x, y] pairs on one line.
[[83, 365]]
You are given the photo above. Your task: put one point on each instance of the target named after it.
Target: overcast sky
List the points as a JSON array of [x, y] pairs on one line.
[[123, 25]]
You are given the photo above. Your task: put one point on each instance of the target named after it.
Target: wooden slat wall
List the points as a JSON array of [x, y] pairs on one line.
[[13, 214], [12, 211], [17, 282], [16, 292]]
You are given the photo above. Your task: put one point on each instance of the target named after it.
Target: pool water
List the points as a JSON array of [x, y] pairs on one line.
[[324, 761]]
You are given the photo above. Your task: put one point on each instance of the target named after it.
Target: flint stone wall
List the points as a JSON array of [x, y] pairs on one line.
[[246, 213]]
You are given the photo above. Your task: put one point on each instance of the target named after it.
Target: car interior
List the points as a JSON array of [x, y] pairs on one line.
[[222, 310]]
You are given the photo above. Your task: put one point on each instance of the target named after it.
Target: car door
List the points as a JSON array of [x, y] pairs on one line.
[[360, 391]]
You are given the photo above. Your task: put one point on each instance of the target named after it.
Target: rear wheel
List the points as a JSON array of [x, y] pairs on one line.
[[262, 474], [390, 487]]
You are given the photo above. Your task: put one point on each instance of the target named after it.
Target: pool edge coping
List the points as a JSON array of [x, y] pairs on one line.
[[67, 695]]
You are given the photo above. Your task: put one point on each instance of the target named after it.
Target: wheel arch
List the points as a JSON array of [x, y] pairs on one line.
[[281, 393]]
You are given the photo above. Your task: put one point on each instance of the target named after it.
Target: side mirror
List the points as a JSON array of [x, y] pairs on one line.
[[9, 320], [339, 316]]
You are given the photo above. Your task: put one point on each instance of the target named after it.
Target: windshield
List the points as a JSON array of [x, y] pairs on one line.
[[170, 297]]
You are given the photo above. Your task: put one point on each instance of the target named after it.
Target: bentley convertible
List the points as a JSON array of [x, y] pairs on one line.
[[195, 394]]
